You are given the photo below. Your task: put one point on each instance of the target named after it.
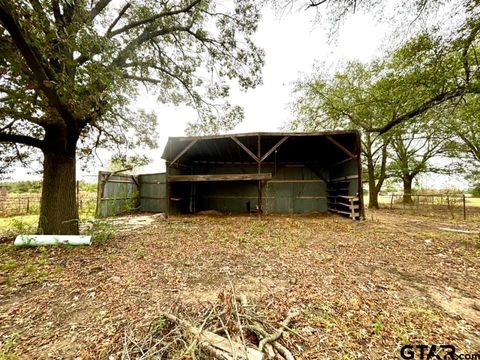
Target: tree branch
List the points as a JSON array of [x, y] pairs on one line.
[[154, 17], [32, 57], [22, 139], [97, 9], [117, 19], [427, 105]]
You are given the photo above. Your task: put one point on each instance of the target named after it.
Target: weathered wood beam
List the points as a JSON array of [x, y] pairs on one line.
[[342, 162], [318, 173], [247, 150], [220, 177], [188, 147], [341, 147], [275, 147]]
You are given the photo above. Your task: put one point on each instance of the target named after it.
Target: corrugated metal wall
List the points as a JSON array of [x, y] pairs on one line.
[[117, 194], [293, 189], [153, 192]]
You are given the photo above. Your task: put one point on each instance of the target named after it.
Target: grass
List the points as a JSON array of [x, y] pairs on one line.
[[23, 224], [17, 224]]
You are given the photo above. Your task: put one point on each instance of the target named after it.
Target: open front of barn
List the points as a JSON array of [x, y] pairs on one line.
[[245, 173]]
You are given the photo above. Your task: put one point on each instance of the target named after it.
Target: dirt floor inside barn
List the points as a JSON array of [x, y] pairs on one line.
[[363, 289]]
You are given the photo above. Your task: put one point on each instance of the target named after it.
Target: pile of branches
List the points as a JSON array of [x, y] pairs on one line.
[[231, 329]]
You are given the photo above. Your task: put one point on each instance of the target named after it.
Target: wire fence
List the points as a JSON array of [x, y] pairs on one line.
[[453, 206], [29, 204]]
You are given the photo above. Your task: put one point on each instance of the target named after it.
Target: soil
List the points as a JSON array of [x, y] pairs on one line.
[[364, 289]]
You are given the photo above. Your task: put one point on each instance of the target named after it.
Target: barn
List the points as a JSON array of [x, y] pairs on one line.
[[258, 173], [265, 173]]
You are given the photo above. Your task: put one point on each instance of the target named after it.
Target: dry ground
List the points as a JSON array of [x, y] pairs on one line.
[[363, 288]]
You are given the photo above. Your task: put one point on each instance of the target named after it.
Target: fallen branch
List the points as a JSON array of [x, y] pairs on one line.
[[217, 345], [259, 330], [274, 337]]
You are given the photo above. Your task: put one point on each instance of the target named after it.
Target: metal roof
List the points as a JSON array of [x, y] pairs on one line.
[[299, 147]]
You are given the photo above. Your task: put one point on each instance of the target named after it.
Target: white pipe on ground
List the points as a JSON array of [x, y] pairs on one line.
[[39, 240]]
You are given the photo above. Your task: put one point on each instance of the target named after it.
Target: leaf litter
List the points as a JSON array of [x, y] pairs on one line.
[[361, 289]]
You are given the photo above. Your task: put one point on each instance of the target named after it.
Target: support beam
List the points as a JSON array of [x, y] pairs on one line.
[[341, 147], [318, 173], [247, 150], [220, 177], [188, 147], [342, 162], [259, 197], [275, 147]]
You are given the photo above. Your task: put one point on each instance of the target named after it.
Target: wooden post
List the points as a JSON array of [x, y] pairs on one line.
[[99, 194], [259, 167], [167, 184], [464, 208], [391, 203], [78, 193], [352, 208], [358, 146]]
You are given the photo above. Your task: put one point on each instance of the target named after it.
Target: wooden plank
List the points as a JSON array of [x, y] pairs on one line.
[[341, 147], [297, 181], [275, 147], [343, 212], [121, 181], [344, 178], [342, 161], [348, 197], [247, 150], [188, 147], [220, 177]]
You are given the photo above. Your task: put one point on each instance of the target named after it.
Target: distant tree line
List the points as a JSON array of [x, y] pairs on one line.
[[418, 103], [35, 186]]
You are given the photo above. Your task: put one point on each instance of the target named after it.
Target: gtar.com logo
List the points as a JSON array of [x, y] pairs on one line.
[[428, 352]]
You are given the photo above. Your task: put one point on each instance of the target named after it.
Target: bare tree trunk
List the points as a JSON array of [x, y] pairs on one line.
[[372, 188], [58, 208], [407, 190]]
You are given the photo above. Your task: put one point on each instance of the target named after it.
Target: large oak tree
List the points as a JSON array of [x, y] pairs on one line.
[[69, 70], [391, 99]]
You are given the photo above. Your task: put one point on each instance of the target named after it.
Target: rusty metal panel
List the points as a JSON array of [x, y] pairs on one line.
[[117, 194]]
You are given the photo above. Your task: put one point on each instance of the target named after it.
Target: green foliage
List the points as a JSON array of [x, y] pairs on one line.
[[475, 190], [70, 71], [87, 187], [132, 163], [399, 102], [95, 56], [20, 227], [22, 187], [102, 231], [158, 325], [7, 347]]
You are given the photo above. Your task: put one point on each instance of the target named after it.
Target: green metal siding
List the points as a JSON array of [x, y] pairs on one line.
[[153, 192], [293, 189], [117, 194]]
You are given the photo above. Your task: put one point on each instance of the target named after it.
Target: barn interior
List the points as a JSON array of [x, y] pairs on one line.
[[265, 173]]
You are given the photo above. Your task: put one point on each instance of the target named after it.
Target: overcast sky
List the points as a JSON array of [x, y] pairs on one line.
[[293, 44]]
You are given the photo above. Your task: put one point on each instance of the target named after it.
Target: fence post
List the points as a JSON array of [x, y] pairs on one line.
[[391, 203], [464, 208]]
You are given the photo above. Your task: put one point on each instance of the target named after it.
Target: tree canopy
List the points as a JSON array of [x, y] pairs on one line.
[[70, 69]]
